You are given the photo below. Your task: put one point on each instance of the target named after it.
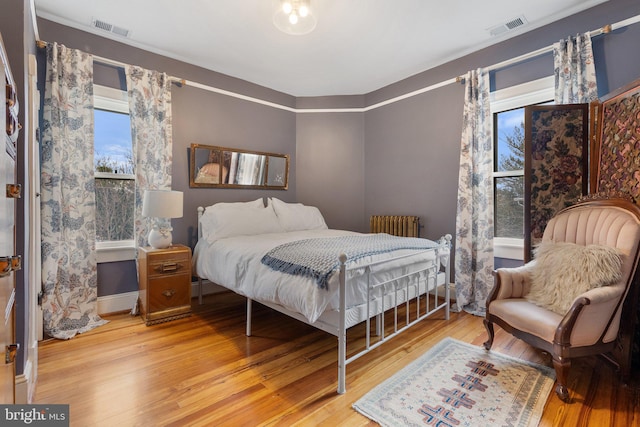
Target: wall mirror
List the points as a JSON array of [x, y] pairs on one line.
[[221, 167]]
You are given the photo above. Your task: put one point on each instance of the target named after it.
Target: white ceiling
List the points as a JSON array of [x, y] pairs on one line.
[[357, 46]]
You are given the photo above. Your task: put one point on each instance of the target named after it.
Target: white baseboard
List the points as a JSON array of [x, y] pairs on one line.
[[25, 384], [117, 302], [125, 301]]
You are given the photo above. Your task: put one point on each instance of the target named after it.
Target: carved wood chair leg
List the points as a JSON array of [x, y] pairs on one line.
[[562, 372], [489, 327]]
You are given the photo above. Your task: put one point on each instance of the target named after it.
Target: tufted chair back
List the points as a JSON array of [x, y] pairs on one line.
[[601, 223]]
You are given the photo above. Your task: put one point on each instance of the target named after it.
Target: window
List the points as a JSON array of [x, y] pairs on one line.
[[509, 173], [114, 175], [507, 106]]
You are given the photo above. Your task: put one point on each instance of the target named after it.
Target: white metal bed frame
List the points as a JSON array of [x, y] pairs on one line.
[[376, 305]]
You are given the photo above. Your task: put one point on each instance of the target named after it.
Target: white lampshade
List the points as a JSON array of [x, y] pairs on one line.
[[162, 204]]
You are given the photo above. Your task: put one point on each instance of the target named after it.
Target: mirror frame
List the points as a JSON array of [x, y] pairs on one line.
[[213, 149]]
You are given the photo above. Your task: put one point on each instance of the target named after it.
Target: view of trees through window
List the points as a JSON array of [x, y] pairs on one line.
[[509, 176], [114, 177]]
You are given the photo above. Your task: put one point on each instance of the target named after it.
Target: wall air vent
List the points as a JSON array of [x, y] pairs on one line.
[[110, 28], [508, 26]]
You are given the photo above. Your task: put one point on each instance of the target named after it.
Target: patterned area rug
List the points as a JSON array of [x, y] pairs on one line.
[[458, 384]]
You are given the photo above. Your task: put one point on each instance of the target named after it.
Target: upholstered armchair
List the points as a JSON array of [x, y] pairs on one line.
[[595, 244]]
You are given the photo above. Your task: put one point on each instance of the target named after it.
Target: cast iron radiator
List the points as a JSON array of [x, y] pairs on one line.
[[396, 225]]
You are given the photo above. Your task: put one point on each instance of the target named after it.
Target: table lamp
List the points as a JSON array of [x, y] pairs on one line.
[[162, 205]]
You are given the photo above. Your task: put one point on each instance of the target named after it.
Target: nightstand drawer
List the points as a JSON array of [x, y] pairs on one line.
[[177, 252], [168, 292], [169, 266]]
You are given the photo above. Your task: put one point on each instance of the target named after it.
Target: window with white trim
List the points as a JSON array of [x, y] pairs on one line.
[[114, 175], [507, 107]]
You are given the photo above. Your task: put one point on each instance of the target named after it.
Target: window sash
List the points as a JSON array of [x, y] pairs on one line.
[[110, 99], [508, 174], [518, 96], [113, 100], [110, 175]]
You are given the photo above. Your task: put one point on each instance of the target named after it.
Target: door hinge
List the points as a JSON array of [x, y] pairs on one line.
[[14, 191], [10, 353], [9, 264]]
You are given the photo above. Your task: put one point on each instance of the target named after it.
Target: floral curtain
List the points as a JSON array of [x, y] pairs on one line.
[[574, 69], [149, 95], [474, 220], [69, 268]]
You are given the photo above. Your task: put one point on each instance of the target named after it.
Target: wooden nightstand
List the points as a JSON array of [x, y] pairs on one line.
[[164, 277]]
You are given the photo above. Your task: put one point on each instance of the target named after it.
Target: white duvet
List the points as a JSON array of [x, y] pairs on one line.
[[235, 263]]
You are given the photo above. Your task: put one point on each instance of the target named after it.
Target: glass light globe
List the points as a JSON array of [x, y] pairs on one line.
[[294, 25]]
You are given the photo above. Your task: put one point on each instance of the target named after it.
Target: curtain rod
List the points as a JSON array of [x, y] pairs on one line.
[[105, 61], [183, 82], [604, 30]]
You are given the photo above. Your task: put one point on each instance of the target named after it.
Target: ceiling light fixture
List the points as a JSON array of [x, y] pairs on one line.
[[294, 16]]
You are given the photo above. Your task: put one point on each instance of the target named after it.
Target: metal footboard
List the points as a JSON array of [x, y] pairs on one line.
[[378, 295], [378, 305]]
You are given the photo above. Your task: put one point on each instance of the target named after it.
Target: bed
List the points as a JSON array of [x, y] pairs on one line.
[[284, 256]]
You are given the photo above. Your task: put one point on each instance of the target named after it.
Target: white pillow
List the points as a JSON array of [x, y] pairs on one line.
[[296, 216], [243, 219]]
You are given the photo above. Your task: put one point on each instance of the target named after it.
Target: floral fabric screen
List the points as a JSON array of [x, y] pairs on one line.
[[619, 143], [556, 164]]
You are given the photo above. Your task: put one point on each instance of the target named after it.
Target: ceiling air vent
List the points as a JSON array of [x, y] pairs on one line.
[[114, 29], [508, 26]]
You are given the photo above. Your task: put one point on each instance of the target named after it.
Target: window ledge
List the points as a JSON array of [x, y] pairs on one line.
[[508, 248], [115, 251]]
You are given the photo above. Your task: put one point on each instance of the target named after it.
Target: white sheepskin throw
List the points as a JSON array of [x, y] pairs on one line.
[[563, 271]]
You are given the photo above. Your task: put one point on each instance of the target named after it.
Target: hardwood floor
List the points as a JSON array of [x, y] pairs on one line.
[[204, 371]]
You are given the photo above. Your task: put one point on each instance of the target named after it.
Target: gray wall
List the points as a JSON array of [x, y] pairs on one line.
[[208, 118], [412, 157], [401, 158], [330, 161], [405, 174]]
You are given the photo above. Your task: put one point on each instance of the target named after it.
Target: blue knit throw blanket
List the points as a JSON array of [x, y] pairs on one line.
[[318, 258]]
